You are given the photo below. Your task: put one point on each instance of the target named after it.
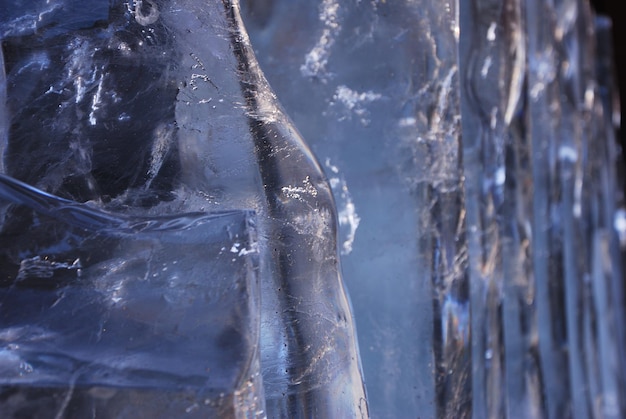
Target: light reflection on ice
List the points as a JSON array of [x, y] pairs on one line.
[[348, 218], [619, 223]]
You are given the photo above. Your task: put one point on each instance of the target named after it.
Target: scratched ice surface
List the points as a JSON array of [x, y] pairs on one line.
[[471, 150], [168, 239], [374, 88], [108, 316]]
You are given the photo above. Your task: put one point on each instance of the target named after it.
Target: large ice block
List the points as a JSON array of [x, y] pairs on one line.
[[373, 86], [472, 149], [119, 316], [157, 108], [473, 178]]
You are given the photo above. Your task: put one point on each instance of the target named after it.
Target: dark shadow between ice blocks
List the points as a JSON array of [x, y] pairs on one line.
[[118, 316]]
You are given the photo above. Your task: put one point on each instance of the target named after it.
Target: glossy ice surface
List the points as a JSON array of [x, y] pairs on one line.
[[125, 118], [174, 247], [105, 315], [472, 152]]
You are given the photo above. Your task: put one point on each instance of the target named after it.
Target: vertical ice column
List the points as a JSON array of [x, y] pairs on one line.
[[374, 88], [378, 83], [310, 358], [166, 96], [492, 54], [540, 193]]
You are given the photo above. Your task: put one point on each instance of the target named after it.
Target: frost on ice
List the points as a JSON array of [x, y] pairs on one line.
[[315, 60]]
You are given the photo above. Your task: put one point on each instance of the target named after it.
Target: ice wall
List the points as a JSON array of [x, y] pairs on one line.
[[474, 142]]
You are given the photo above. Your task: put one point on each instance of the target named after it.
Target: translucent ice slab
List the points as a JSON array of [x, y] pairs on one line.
[[157, 108], [472, 152], [107, 314], [472, 177]]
